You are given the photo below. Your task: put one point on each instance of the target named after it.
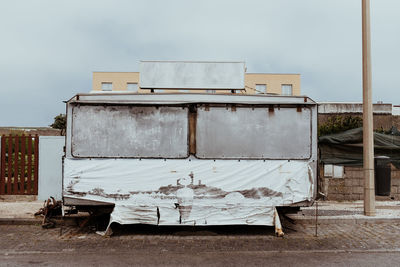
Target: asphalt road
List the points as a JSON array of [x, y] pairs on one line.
[[335, 245], [217, 258]]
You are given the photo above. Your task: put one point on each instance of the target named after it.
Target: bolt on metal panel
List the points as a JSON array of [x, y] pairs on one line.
[[253, 133], [129, 131]]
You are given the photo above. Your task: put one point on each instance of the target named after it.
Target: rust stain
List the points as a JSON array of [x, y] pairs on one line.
[[100, 192], [257, 193]]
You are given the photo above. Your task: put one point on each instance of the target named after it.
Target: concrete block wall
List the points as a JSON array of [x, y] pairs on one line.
[[50, 167], [351, 186], [396, 121]]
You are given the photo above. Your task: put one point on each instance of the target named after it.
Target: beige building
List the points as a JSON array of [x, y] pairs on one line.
[[255, 83]]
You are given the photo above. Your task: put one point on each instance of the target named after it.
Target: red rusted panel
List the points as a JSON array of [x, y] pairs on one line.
[[35, 185], [16, 161], [9, 167], [3, 165], [22, 169], [29, 163]]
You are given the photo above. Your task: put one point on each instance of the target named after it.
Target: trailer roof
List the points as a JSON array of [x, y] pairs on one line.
[[188, 98]]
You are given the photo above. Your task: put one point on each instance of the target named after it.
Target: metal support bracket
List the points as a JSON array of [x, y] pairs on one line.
[[278, 225]]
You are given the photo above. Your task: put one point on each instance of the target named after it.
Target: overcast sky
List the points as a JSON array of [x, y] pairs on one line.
[[49, 49]]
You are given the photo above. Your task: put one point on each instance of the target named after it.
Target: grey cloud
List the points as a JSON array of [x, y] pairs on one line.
[[50, 48]]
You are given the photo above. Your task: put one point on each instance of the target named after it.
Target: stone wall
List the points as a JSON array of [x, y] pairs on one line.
[[351, 186], [396, 121]]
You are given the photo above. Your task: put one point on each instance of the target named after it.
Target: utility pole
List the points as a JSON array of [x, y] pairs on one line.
[[368, 135]]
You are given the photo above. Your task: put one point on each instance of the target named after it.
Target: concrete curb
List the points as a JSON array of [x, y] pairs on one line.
[[66, 221], [311, 220], [20, 221]]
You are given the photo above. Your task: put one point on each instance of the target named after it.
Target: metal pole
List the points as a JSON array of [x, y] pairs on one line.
[[316, 218], [368, 136]]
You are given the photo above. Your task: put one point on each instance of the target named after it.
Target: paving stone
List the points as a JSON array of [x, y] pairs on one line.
[[298, 237], [358, 190], [394, 189], [396, 174], [396, 181], [356, 182], [352, 174], [339, 197]]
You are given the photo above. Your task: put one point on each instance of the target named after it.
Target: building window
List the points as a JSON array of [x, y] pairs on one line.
[[333, 171], [106, 86], [159, 91], [261, 88], [287, 89], [132, 87], [211, 91]]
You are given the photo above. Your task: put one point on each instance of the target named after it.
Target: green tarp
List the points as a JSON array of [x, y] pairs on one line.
[[346, 148]]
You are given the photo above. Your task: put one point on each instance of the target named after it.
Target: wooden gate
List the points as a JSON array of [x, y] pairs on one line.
[[19, 165]]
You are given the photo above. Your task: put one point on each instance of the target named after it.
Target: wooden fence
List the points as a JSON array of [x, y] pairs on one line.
[[19, 165]]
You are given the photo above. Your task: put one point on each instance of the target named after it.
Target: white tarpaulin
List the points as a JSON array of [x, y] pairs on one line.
[[190, 192]]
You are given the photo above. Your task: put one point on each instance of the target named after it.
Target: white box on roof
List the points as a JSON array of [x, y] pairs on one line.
[[191, 75]]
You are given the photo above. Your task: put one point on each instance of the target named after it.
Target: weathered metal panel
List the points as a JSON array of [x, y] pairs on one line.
[[129, 131], [68, 132], [188, 98], [253, 133], [314, 146], [193, 75]]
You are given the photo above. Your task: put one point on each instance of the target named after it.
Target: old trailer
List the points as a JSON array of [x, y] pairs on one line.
[[190, 159]]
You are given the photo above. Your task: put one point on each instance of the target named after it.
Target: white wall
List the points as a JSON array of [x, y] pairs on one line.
[[396, 111], [50, 167], [328, 108]]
